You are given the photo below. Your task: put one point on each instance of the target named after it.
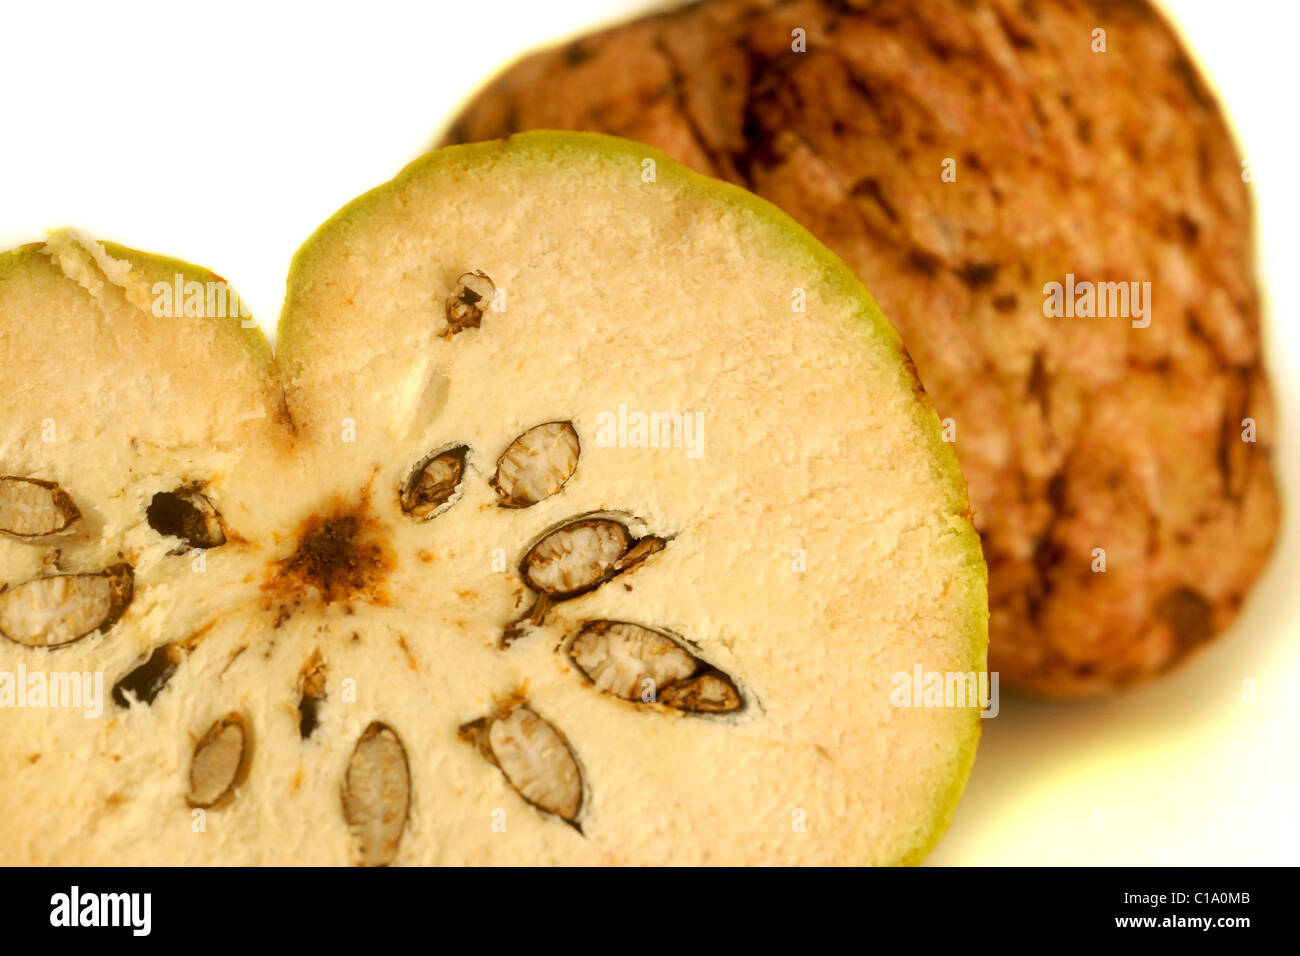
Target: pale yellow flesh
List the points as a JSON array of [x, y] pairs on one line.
[[819, 541]]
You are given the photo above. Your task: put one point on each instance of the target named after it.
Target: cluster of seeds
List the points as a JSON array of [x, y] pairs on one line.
[[620, 658]]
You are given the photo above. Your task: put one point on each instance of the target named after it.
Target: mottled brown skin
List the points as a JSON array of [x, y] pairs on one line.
[[1074, 433]]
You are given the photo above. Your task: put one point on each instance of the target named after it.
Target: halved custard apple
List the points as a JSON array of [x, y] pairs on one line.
[[591, 515]]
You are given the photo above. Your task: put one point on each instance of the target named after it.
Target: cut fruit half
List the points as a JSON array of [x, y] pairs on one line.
[[592, 516]]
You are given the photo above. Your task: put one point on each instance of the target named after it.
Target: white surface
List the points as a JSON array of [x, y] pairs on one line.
[[225, 135]]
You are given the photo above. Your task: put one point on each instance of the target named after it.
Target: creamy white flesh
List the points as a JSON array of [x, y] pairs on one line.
[[817, 541]]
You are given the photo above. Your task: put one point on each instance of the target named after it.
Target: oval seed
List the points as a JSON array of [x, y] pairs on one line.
[[639, 663], [620, 658], [433, 482], [582, 554], [146, 681], [576, 557], [536, 465], [61, 608], [31, 508], [186, 514], [377, 794], [465, 307], [218, 760], [537, 762]]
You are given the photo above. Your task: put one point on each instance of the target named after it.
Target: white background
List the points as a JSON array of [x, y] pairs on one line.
[[225, 134]]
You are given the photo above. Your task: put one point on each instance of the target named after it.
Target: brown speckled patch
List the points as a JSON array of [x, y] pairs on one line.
[[342, 554]]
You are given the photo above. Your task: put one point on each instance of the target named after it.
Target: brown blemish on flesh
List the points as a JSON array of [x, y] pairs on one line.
[[232, 658], [410, 658], [192, 641], [342, 555], [282, 415]]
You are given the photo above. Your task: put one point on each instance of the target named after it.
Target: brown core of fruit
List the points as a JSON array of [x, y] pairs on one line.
[[342, 554]]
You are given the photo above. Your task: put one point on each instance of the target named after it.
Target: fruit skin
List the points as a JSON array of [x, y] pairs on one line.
[[1073, 433], [551, 146]]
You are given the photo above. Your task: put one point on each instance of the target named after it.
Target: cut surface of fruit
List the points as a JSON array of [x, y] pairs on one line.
[[598, 542], [961, 157]]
